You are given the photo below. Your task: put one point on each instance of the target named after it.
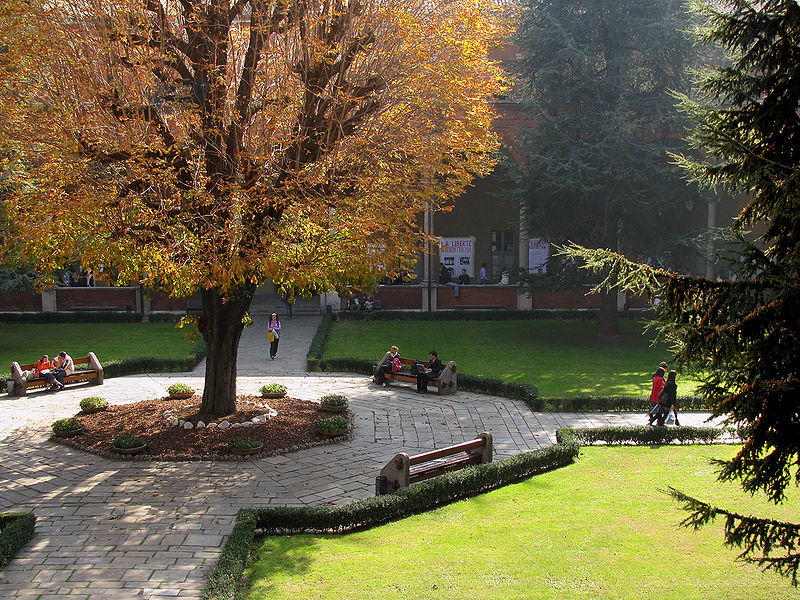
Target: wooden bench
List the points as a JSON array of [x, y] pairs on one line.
[[446, 382], [403, 470], [93, 372]]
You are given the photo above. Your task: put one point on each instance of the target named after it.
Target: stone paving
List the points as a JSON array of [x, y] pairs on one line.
[[110, 530]]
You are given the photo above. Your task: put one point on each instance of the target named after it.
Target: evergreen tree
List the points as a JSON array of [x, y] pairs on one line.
[[596, 79], [745, 333]]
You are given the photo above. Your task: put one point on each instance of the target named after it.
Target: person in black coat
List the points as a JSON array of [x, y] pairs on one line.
[[668, 399], [434, 368]]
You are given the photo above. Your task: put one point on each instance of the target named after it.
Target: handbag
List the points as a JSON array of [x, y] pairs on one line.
[[271, 336]]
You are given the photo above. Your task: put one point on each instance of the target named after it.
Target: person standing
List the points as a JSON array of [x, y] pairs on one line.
[[273, 334], [434, 368], [288, 299], [668, 399], [658, 385], [482, 275]]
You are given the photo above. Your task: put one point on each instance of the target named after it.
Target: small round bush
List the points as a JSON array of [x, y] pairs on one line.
[[126, 442], [331, 424], [273, 389], [93, 404], [334, 400], [180, 388], [243, 443], [64, 425]]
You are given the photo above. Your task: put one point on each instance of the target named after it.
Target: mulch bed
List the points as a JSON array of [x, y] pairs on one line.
[[291, 429]]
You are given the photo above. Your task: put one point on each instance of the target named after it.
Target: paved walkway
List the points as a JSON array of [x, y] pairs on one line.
[[110, 530]]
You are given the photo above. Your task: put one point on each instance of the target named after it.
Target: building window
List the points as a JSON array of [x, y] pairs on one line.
[[503, 252]]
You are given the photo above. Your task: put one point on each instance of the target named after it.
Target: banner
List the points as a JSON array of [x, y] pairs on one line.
[[538, 253], [457, 253]]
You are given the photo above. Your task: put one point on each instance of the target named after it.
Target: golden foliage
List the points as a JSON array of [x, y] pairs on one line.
[[218, 144]]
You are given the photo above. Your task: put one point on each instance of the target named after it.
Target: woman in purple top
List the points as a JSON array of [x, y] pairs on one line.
[[274, 334]]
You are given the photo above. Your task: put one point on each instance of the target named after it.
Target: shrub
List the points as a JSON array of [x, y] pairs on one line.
[[273, 389], [66, 425], [243, 443], [93, 404], [334, 400], [126, 442], [331, 424], [180, 388], [647, 435], [16, 530], [317, 347]]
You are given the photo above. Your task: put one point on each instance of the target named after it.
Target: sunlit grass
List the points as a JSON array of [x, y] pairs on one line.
[[597, 529], [109, 341], [561, 358]]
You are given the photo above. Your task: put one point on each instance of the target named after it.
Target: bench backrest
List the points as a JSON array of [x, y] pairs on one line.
[[396, 470], [75, 361]]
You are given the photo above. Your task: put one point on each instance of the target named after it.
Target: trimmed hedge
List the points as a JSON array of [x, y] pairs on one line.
[[150, 364], [317, 347], [474, 315], [613, 404], [648, 435], [16, 530], [226, 578], [89, 317]]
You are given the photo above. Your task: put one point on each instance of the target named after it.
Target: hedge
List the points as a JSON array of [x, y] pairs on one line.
[[226, 578], [648, 435], [89, 317], [16, 530], [474, 315]]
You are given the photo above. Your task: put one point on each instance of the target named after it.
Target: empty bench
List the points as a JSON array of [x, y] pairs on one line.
[[86, 369], [445, 383], [403, 470]]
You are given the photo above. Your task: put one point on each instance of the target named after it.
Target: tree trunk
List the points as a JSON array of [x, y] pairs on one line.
[[221, 326], [607, 325]]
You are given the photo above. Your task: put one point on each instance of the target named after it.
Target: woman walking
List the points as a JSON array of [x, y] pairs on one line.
[[273, 334]]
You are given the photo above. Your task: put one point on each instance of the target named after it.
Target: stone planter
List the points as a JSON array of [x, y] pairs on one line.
[[183, 396], [130, 451], [330, 434], [333, 409], [247, 451], [94, 410], [69, 432], [274, 396]]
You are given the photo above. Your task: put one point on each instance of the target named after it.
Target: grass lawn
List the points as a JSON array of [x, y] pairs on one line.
[[109, 341], [562, 358], [594, 530]]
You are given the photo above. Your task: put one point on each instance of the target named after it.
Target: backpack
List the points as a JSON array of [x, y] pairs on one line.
[[396, 365]]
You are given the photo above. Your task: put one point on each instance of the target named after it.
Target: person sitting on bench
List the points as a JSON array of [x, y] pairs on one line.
[[67, 367], [386, 365], [433, 370]]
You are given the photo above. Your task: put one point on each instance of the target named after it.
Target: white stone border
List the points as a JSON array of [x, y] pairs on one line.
[[169, 417]]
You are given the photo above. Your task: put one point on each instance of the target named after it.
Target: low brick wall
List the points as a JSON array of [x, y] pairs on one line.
[[401, 297], [21, 302], [477, 296], [77, 299]]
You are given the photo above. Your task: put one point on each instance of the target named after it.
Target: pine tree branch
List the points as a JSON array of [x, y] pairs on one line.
[[770, 544]]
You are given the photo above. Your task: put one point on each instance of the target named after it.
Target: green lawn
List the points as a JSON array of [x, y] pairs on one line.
[[561, 358], [594, 530], [109, 341]]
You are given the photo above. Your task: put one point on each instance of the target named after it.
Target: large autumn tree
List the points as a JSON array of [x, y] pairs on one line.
[[744, 334], [214, 144], [596, 82]]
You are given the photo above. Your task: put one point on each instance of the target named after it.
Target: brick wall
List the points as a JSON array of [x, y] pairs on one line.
[[115, 298], [21, 302], [159, 301], [477, 296], [398, 297]]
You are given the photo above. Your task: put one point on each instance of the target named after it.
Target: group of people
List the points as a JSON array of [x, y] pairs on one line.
[[663, 396], [54, 372], [358, 302], [424, 371]]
